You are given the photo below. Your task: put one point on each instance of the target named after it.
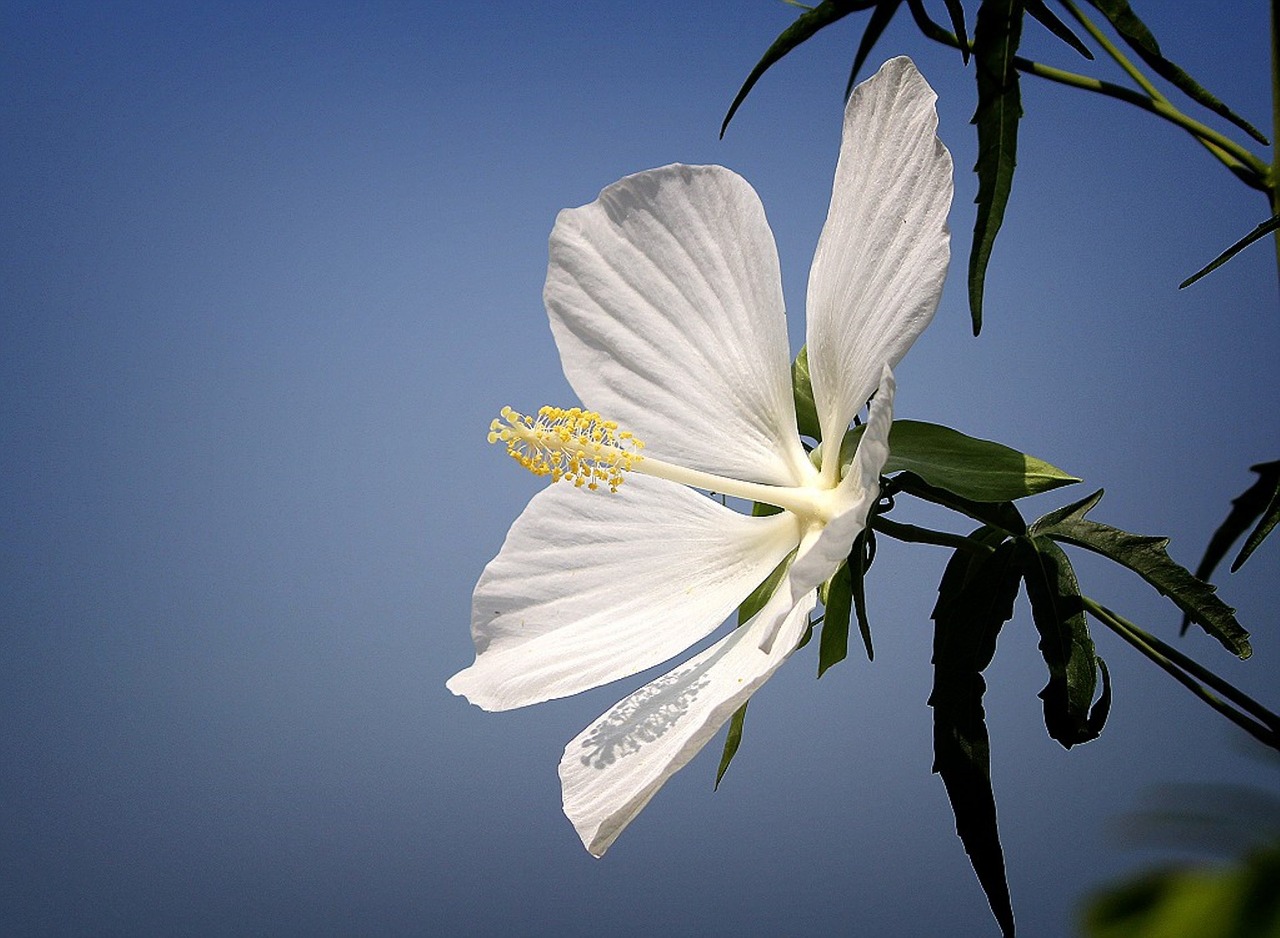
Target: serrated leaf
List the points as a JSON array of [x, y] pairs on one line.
[[804, 27], [1065, 643], [833, 646], [1146, 556], [1049, 20], [1261, 231], [975, 599], [1002, 515], [802, 388], [980, 470], [1141, 40], [881, 16], [732, 741], [995, 43], [1260, 502]]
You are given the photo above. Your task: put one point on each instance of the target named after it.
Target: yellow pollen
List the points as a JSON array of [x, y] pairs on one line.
[[575, 445]]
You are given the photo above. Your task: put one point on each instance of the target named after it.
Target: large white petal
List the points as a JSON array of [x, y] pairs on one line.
[[882, 257], [592, 586], [612, 769], [665, 300]]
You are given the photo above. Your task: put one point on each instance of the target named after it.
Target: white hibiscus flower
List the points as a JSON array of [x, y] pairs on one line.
[[665, 300]]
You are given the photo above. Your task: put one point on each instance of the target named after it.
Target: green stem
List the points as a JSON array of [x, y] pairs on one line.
[[1258, 721], [916, 535]]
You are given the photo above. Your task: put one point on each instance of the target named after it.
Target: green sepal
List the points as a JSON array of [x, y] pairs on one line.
[[1065, 644], [1141, 40], [881, 16], [1146, 556], [1263, 229], [857, 573], [804, 27], [995, 43], [732, 741], [1049, 20], [975, 599], [802, 387], [979, 470], [833, 646]]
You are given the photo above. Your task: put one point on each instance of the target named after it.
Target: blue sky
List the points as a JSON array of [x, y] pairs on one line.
[[268, 271]]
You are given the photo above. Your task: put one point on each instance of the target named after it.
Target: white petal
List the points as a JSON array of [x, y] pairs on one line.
[[612, 769], [593, 586], [882, 257], [665, 300]]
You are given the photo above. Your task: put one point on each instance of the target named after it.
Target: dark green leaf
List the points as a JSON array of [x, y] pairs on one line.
[[805, 26], [857, 572], [995, 43], [880, 19], [1002, 515], [834, 644], [760, 595], [979, 470], [1264, 228], [1065, 642], [956, 11], [1146, 556], [1141, 40], [975, 599], [802, 388], [1049, 20], [1260, 502], [732, 741]]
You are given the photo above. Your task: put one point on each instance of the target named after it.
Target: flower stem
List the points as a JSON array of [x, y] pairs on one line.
[[1256, 719]]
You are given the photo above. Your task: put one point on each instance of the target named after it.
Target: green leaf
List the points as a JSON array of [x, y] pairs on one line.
[[956, 11], [731, 741], [857, 571], [834, 644], [995, 43], [802, 387], [975, 469], [805, 26], [1264, 228], [1002, 515], [1049, 20], [975, 599], [760, 595], [880, 19], [1141, 40], [1146, 556], [1260, 502], [1065, 644]]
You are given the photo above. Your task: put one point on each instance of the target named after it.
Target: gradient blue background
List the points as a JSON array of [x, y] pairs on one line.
[[267, 272]]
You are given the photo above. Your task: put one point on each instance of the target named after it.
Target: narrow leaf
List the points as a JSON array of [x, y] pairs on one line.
[[1146, 556], [956, 11], [1264, 228], [880, 19], [975, 599], [1065, 643], [1260, 502], [802, 387], [1049, 20], [1141, 40], [972, 468], [804, 27], [858, 570], [731, 741], [833, 646], [1002, 515], [995, 43]]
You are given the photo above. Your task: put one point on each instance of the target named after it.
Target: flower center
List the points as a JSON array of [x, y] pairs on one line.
[[576, 445]]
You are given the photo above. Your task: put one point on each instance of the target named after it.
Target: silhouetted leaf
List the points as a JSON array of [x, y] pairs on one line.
[[880, 18], [995, 43], [1002, 515], [1147, 557], [1141, 40], [857, 574], [1065, 643], [732, 741], [975, 599], [956, 11], [1264, 228], [1049, 20], [805, 26]]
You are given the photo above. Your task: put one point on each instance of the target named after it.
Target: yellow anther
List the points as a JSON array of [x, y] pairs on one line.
[[575, 445]]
